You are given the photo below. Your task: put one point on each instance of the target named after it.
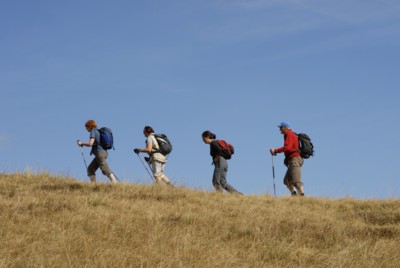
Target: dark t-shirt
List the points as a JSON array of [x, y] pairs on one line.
[[95, 134], [215, 149]]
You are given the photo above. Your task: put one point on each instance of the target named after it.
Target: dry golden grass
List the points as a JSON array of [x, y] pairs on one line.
[[50, 221]]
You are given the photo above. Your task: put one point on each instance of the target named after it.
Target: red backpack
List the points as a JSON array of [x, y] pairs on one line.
[[227, 149]]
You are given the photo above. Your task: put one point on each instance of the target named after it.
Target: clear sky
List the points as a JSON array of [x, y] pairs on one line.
[[237, 68]]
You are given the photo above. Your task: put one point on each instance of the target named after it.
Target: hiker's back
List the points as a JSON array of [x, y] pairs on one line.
[[95, 134], [155, 154]]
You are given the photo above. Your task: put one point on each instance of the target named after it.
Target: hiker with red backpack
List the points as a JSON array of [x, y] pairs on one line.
[[99, 150], [293, 159], [220, 151], [158, 147]]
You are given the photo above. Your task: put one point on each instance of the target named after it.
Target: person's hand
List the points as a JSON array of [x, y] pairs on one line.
[[79, 143], [137, 150], [272, 151]]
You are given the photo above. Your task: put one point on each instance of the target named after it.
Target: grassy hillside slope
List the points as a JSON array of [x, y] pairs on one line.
[[48, 221]]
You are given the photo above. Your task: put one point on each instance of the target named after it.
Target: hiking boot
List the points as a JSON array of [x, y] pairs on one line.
[[294, 193], [302, 194]]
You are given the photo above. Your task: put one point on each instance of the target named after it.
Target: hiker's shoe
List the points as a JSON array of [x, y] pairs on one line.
[[294, 193], [302, 194]]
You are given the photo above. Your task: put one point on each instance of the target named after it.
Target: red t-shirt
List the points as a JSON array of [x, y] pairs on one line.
[[291, 145]]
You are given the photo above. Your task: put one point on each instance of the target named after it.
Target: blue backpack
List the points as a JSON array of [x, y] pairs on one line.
[[106, 138]]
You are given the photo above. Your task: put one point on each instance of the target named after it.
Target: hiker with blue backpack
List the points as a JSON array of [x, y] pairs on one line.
[[293, 159], [100, 141], [157, 147], [220, 152]]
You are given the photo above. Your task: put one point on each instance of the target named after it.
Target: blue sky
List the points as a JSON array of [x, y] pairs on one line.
[[237, 68]]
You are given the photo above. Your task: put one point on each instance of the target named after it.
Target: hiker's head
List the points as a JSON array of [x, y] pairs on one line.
[[90, 124], [284, 127], [147, 131], [208, 136]]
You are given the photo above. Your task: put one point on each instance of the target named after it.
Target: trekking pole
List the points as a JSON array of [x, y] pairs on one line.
[[273, 174], [150, 167], [116, 178], [146, 167], [84, 160]]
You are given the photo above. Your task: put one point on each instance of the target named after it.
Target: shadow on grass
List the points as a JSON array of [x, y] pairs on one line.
[[64, 186]]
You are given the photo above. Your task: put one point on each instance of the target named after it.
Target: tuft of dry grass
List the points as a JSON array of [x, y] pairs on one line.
[[52, 221]]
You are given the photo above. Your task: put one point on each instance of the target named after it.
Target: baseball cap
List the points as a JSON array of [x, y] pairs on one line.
[[284, 124]]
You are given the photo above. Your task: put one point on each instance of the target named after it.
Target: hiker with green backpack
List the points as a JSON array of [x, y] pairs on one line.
[[100, 141], [293, 159], [157, 147], [220, 151]]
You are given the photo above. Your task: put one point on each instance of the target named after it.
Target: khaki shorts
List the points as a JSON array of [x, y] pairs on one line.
[[158, 168], [99, 161], [293, 173]]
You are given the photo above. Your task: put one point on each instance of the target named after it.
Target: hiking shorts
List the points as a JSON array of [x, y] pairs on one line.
[[293, 173], [158, 168], [99, 161]]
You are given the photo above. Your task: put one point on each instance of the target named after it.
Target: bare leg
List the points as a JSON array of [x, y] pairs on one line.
[[112, 178], [291, 189], [166, 180]]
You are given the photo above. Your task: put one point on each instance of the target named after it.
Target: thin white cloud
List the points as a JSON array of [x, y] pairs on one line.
[[371, 37], [248, 20], [350, 11], [353, 11], [245, 29]]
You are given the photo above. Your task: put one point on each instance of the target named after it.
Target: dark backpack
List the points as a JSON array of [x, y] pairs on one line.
[[106, 138], [227, 149], [164, 145], [306, 147]]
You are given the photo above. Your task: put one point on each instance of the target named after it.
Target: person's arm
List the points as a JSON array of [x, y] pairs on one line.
[[288, 145], [215, 151], [86, 144], [148, 149]]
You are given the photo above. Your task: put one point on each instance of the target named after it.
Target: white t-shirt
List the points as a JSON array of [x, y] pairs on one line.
[[155, 156]]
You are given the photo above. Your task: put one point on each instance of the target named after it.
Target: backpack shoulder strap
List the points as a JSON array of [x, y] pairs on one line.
[[160, 137], [223, 145], [155, 142]]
